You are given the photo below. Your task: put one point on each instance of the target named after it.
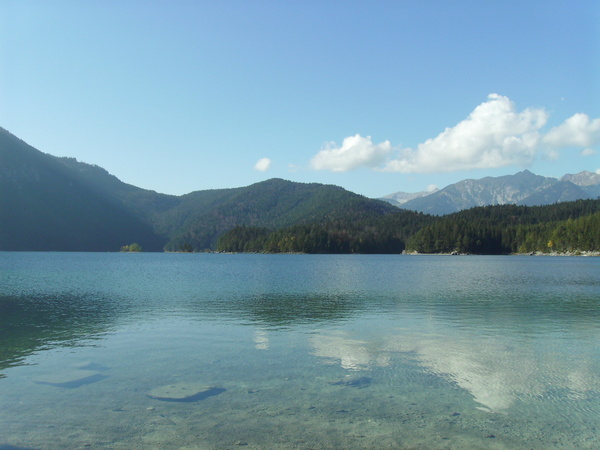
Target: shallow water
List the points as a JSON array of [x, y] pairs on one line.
[[299, 351]]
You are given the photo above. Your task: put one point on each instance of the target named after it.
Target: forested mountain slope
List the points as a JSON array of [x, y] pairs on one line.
[[45, 206], [196, 220], [367, 234], [272, 204], [51, 203], [500, 229]]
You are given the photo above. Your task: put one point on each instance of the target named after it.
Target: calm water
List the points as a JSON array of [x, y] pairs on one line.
[[301, 351]]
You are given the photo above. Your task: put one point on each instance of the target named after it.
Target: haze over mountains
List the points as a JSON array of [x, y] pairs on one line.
[[52, 203]]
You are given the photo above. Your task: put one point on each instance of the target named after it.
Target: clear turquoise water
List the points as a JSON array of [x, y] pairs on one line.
[[313, 351]]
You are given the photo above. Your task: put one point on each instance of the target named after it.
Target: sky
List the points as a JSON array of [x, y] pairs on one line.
[[374, 96]]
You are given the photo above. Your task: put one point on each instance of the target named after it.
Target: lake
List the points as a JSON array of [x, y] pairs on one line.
[[131, 351]]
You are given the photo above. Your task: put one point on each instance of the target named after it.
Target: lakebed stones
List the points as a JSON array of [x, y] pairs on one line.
[[71, 378], [184, 392], [360, 382], [90, 365]]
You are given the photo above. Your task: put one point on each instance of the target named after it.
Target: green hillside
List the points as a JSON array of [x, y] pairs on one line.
[[195, 221], [51, 203], [273, 203], [45, 206], [570, 226], [370, 233], [565, 227]]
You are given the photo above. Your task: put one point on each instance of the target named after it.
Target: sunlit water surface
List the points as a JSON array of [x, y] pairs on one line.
[[300, 351]]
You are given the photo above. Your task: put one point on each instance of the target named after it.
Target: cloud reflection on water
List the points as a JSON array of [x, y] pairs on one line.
[[351, 354], [261, 340], [492, 370]]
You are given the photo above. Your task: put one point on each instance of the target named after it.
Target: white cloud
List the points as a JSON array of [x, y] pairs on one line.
[[588, 152], [494, 135], [576, 131], [432, 187], [263, 164], [356, 151], [598, 171]]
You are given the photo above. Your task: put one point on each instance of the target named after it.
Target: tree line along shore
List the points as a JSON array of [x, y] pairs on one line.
[[570, 228]]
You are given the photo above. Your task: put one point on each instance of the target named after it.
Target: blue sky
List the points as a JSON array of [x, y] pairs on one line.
[[373, 96]]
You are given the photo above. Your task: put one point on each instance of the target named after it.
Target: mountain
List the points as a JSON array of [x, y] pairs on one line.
[[196, 220], [46, 206], [584, 178], [400, 198], [589, 182], [486, 191], [561, 191], [273, 203], [61, 204], [523, 188], [52, 203]]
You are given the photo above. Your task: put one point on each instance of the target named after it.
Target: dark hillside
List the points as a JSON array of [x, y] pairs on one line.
[[364, 233], [147, 205], [52, 203], [43, 206], [273, 203]]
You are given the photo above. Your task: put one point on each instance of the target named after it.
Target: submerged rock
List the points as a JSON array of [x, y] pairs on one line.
[[360, 382], [71, 379], [90, 365], [184, 392]]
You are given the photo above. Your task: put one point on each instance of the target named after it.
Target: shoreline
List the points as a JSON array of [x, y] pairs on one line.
[[575, 253]]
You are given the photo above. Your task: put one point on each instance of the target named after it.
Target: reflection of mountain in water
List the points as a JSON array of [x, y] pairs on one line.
[[284, 310], [38, 322], [277, 310]]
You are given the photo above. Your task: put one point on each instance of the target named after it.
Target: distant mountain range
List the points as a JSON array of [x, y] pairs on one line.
[[523, 188], [400, 198], [49, 203]]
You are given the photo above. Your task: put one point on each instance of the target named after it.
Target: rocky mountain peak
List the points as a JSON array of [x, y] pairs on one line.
[[584, 178], [522, 188]]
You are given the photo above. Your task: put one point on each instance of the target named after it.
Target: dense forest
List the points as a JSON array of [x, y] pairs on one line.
[[563, 227], [273, 204], [375, 234], [501, 229]]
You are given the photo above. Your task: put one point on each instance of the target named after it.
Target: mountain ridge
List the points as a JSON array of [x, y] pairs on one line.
[[61, 204], [44, 206], [522, 188], [54, 203]]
